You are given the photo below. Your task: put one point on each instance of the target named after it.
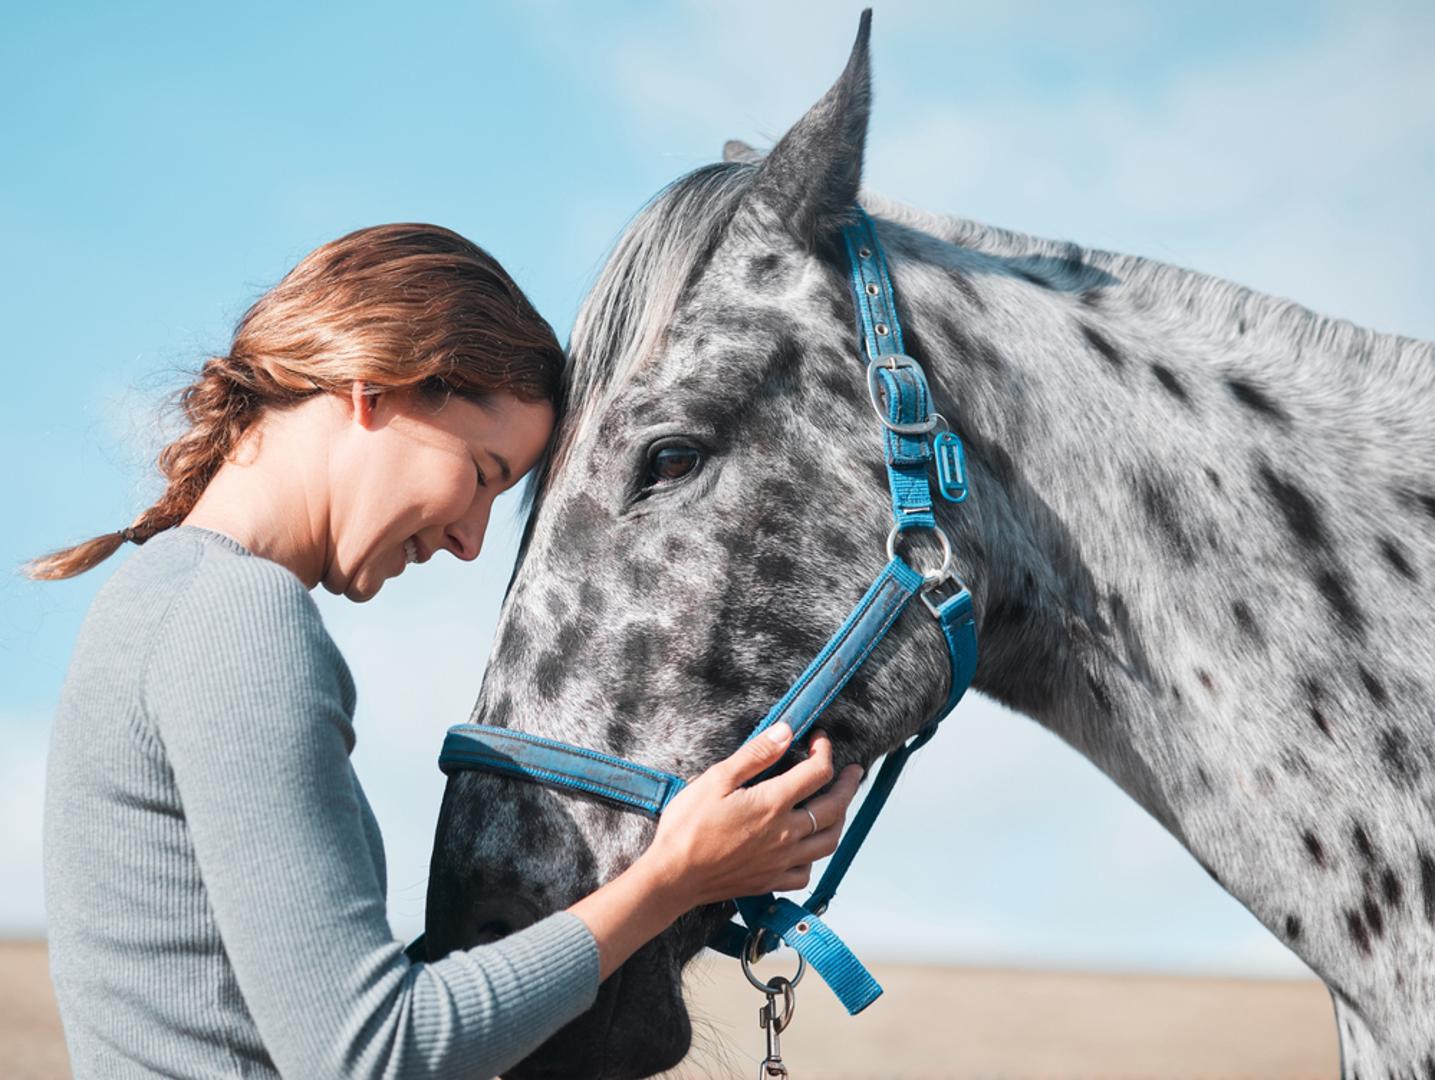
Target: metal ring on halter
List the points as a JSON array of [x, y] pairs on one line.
[[748, 959], [893, 362], [931, 577]]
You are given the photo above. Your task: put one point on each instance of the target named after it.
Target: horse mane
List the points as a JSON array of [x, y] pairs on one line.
[[1214, 301]]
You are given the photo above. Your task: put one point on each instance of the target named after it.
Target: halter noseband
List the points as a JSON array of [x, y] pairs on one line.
[[914, 439]]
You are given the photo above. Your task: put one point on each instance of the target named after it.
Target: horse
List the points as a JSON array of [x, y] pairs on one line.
[[1200, 546]]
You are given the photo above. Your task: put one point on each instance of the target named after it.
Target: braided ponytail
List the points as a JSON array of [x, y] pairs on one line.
[[396, 306]]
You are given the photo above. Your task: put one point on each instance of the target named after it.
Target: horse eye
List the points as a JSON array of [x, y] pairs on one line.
[[669, 463]]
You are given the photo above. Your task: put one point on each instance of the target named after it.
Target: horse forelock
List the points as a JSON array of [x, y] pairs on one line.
[[621, 323]]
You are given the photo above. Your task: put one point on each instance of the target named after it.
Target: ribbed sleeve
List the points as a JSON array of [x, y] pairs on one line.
[[246, 702]]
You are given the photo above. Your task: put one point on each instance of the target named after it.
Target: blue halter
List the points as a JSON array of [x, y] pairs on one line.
[[915, 438]]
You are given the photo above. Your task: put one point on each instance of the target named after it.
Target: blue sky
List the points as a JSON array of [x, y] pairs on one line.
[[163, 164]]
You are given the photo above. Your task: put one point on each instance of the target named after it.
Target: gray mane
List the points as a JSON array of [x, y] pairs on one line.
[[1208, 300]]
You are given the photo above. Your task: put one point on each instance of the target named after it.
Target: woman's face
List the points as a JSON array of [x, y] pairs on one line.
[[410, 478]]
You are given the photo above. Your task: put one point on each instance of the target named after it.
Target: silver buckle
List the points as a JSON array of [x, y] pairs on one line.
[[895, 362]]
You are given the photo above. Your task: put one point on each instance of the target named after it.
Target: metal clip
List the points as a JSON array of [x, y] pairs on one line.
[[773, 1023]]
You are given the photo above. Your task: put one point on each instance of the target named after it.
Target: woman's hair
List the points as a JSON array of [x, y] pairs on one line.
[[401, 307]]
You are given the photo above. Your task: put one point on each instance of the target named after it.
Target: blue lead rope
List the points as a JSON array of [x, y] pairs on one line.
[[914, 440]]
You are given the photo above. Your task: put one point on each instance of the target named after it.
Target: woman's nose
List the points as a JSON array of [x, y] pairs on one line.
[[466, 536]]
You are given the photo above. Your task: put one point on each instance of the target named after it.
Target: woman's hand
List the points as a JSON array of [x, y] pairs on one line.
[[717, 839]]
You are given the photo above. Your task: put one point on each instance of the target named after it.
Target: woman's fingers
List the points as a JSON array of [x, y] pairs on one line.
[[752, 757], [830, 808], [806, 777]]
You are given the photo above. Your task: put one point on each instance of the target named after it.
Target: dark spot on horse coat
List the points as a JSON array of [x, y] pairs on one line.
[[556, 603], [1362, 842], [1204, 678], [1161, 511], [1373, 917], [549, 674], [1214, 477], [591, 601], [1246, 620], [1419, 500], [1396, 558], [1204, 777], [1302, 516], [1102, 345], [1171, 383], [762, 270], [967, 288], [514, 643], [1255, 399], [1390, 889], [1293, 927], [1396, 756], [1347, 612], [1093, 298], [580, 523], [1355, 927], [1427, 885], [839, 546], [1131, 641], [1314, 848], [1315, 693], [1373, 686], [1294, 761], [972, 350]]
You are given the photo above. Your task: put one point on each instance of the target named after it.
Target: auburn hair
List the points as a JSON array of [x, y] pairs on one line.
[[401, 307]]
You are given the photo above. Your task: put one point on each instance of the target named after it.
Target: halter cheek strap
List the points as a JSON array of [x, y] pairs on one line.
[[915, 442]]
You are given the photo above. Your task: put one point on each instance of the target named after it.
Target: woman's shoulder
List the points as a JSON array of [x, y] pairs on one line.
[[197, 560], [227, 610]]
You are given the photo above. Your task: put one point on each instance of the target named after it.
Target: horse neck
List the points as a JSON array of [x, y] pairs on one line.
[[1192, 563]]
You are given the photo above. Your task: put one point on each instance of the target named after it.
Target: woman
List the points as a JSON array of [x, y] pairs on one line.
[[214, 876]]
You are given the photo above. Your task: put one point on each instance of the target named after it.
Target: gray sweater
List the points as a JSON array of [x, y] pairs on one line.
[[214, 877]]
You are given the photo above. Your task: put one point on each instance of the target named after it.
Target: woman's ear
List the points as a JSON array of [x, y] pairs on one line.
[[364, 403]]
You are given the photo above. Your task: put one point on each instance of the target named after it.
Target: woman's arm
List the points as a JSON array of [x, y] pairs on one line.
[[245, 692]]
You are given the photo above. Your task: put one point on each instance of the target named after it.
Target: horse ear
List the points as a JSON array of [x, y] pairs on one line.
[[739, 152], [811, 177]]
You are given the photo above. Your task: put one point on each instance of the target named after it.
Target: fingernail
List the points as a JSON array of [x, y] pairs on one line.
[[779, 732]]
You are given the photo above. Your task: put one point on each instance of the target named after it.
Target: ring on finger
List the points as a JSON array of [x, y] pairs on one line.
[[813, 816]]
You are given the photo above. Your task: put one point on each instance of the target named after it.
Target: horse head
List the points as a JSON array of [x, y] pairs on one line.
[[714, 503]]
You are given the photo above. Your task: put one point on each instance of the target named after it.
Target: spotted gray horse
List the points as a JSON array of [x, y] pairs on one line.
[[1201, 542]]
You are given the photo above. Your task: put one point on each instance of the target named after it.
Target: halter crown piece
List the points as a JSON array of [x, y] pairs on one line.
[[915, 440]]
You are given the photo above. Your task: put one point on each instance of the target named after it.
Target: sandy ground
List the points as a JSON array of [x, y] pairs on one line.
[[933, 1022]]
